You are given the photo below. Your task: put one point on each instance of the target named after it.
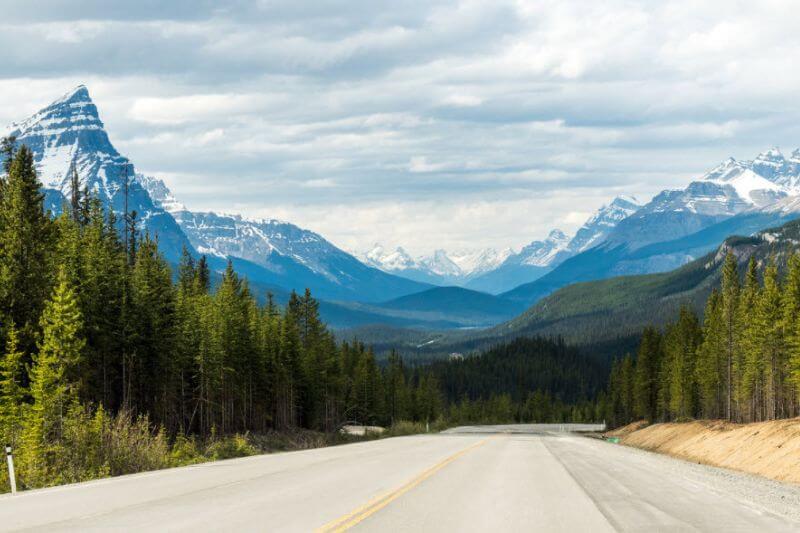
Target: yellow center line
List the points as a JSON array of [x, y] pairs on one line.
[[376, 504]]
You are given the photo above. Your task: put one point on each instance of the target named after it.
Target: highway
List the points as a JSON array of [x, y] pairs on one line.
[[503, 478]]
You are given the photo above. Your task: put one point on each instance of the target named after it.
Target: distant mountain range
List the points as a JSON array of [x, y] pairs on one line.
[[439, 268], [274, 255], [624, 237], [390, 286], [677, 226], [493, 271]]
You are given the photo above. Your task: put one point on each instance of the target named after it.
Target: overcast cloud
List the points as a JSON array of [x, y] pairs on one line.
[[422, 123]]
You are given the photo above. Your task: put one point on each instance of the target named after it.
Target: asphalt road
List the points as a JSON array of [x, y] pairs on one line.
[[508, 478]]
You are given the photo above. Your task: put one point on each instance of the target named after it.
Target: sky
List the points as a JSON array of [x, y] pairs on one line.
[[427, 124]]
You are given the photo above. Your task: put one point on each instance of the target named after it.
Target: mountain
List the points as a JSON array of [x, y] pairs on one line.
[[281, 253], [528, 264], [540, 257], [439, 268], [445, 308], [620, 306], [68, 134], [476, 262], [597, 228], [677, 226], [606, 316]]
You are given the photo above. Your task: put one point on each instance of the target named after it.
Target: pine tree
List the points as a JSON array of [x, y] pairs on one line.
[[711, 363], [60, 352], [187, 272], [681, 343], [729, 309], [646, 375], [25, 240], [12, 392], [203, 275], [747, 344], [791, 324], [153, 332], [8, 149], [767, 361]]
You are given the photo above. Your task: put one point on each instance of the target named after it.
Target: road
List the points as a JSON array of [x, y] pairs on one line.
[[505, 478]]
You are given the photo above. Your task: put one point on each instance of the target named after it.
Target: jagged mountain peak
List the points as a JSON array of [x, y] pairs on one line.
[[66, 133], [772, 154], [556, 235], [624, 201]]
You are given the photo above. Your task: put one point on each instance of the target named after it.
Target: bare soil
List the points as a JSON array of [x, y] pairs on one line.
[[769, 449]]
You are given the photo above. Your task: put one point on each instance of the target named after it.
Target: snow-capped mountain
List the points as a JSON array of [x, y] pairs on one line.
[[69, 134], [679, 225], [439, 268], [730, 188], [160, 194], [596, 229], [540, 257], [543, 253], [476, 262]]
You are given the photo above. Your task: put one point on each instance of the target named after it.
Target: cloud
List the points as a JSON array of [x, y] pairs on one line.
[[423, 123]]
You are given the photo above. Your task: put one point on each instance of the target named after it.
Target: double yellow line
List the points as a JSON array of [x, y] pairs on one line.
[[376, 504]]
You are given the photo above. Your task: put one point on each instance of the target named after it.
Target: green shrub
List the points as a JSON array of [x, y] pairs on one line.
[[185, 452], [230, 447]]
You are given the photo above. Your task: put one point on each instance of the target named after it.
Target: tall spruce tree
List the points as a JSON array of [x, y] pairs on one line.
[[53, 394], [729, 309], [12, 390], [646, 375], [711, 368], [681, 343], [25, 241]]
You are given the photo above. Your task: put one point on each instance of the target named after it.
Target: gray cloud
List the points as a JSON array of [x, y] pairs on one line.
[[465, 123]]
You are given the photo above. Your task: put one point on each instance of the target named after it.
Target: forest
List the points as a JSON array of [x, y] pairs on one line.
[[740, 363], [114, 361]]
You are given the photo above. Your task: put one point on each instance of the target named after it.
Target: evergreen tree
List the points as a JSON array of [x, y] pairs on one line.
[[25, 240], [743, 364], [711, 366], [53, 395], [12, 391], [646, 375], [729, 306], [681, 343]]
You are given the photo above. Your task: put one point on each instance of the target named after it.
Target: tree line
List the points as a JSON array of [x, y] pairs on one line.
[[526, 380], [740, 363], [98, 331]]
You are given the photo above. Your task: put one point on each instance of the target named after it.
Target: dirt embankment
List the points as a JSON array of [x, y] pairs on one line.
[[769, 449]]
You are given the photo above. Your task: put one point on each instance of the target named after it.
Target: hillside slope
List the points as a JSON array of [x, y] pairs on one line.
[[610, 260], [770, 449], [606, 316], [444, 307]]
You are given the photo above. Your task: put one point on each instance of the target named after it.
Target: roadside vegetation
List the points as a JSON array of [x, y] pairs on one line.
[[741, 363]]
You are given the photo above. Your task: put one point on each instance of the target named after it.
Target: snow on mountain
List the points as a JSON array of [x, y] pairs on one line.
[[440, 264], [475, 262], [545, 252], [599, 225], [441, 267], [160, 194], [256, 240], [69, 134]]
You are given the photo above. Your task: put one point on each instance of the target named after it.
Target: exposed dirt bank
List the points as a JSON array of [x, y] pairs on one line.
[[769, 449]]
